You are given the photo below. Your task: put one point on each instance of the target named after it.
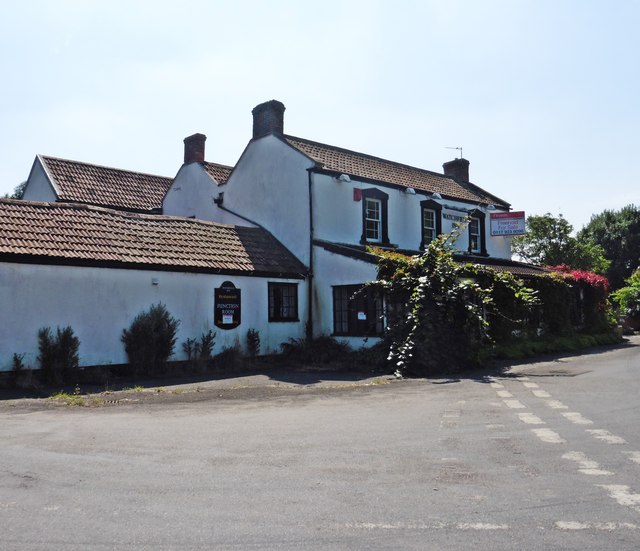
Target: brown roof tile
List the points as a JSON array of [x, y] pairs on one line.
[[88, 235], [220, 173], [336, 159], [110, 187]]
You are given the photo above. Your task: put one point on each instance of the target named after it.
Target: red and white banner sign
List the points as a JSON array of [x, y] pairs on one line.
[[508, 223]]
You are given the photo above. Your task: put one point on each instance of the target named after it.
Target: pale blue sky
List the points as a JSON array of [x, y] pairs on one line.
[[542, 95]]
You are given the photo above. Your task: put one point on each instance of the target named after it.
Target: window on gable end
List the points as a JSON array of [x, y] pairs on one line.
[[431, 221], [374, 217]]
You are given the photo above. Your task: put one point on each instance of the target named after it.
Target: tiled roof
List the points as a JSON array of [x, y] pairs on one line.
[[497, 264], [502, 265], [109, 187], [74, 234], [336, 159], [220, 173]]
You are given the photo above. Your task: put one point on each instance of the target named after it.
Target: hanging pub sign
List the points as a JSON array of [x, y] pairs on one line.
[[508, 223], [227, 308]]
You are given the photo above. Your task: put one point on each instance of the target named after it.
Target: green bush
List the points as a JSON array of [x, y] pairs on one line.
[[525, 348], [58, 354], [150, 340], [628, 298], [230, 359], [253, 343], [320, 350], [200, 352]]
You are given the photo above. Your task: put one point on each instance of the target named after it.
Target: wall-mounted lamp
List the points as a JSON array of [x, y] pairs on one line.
[[491, 207], [155, 281], [343, 178], [410, 191]]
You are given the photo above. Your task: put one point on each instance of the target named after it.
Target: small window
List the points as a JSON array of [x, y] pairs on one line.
[[373, 220], [430, 221], [374, 217], [283, 302], [428, 226], [477, 240], [357, 312], [474, 235]]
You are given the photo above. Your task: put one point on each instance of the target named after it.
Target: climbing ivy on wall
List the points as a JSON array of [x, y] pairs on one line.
[[443, 315]]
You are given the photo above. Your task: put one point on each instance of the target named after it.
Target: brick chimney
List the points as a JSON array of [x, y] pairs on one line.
[[268, 117], [458, 169], [194, 148]]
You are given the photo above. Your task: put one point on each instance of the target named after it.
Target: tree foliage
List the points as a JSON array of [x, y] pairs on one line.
[[628, 297], [618, 233], [548, 242], [18, 191]]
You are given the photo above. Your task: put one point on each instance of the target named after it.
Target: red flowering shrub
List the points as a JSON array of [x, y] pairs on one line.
[[592, 293], [582, 276]]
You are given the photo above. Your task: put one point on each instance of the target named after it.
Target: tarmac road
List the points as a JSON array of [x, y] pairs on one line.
[[544, 457]]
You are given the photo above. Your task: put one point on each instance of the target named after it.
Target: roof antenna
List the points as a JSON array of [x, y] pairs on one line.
[[458, 148]]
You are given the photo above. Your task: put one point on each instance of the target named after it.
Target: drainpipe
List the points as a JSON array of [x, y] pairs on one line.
[[310, 282]]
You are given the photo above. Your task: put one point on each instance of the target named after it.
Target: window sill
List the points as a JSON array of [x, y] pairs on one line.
[[291, 320]]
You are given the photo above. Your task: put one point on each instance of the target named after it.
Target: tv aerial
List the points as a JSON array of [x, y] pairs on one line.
[[458, 148]]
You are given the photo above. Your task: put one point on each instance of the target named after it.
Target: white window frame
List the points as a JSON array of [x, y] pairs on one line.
[[377, 221], [429, 233], [476, 234]]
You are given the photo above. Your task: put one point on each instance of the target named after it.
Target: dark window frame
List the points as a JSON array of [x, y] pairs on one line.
[[480, 216], [276, 301], [374, 193], [348, 300], [432, 205]]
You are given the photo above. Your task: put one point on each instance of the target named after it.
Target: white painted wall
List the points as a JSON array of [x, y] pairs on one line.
[[269, 185], [98, 303], [192, 195], [39, 187], [338, 217], [334, 269]]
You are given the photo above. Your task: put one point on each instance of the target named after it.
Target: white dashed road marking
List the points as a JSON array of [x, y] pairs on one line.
[[504, 394], [514, 404], [547, 435], [586, 466], [556, 404], [423, 526], [530, 419], [482, 526], [606, 436], [622, 494], [576, 418], [603, 526], [541, 393], [634, 456], [497, 385], [530, 385]]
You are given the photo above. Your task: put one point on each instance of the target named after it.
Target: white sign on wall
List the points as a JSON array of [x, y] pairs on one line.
[[508, 223]]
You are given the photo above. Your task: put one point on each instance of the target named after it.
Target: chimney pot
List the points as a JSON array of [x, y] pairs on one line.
[[268, 117], [194, 148], [458, 169]]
